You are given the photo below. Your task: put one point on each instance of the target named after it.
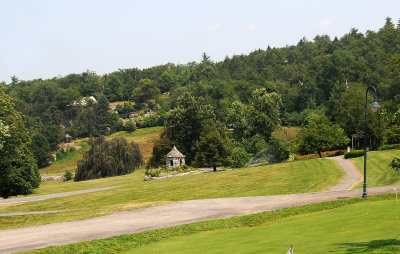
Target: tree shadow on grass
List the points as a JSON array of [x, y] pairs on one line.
[[374, 246]]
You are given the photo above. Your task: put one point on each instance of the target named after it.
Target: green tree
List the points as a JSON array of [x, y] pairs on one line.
[[212, 148], [146, 91], [109, 158], [113, 88], [18, 169], [349, 113], [41, 150], [239, 157], [185, 122], [161, 148], [320, 135], [264, 112]]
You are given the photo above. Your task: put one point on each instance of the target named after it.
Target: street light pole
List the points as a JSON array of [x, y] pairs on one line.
[[375, 106]]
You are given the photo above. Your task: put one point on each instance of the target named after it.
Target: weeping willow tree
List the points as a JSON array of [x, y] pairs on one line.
[[109, 158]]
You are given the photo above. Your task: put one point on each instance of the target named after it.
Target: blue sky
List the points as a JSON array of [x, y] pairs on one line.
[[44, 39]]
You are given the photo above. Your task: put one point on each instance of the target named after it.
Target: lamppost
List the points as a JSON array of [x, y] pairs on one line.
[[374, 106]]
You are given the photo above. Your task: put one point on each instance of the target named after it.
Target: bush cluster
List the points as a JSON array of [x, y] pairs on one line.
[[389, 147], [353, 154]]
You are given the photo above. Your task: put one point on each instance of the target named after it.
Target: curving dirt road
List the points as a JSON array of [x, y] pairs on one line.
[[177, 213]]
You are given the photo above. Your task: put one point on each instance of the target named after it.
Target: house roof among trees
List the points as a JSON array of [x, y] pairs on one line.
[[175, 153]]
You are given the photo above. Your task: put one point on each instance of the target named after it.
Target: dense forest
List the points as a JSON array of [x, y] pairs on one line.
[[253, 93]]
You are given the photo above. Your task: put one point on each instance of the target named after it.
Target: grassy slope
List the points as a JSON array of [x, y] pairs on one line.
[[288, 133], [144, 137], [343, 226], [378, 171], [293, 177]]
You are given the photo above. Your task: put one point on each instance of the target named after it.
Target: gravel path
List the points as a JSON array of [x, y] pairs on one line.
[[353, 176], [55, 195]]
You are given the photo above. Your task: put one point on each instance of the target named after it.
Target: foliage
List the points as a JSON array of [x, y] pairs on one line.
[[320, 135], [185, 122], [353, 154], [261, 117], [41, 150], [278, 150], [212, 148], [4, 133], [18, 169], [130, 125], [67, 176], [395, 164], [239, 157], [393, 134], [94, 119], [389, 147], [161, 148], [109, 158], [349, 112]]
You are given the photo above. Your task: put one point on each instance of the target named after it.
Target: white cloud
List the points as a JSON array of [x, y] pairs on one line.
[[325, 23], [251, 27], [211, 28]]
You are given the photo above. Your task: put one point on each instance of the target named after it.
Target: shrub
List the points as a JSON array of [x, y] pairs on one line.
[[153, 172], [109, 158], [278, 150], [67, 176], [395, 164], [389, 147], [239, 157], [353, 154]]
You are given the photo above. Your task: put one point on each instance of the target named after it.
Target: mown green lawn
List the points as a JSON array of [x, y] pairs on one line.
[[357, 228], [343, 226], [378, 171], [284, 178]]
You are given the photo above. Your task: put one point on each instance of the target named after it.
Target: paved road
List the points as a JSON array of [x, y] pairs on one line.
[[177, 213], [55, 195]]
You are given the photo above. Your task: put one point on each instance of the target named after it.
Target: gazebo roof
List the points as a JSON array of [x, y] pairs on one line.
[[175, 153]]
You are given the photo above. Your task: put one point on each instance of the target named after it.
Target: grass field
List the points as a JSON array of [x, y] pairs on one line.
[[378, 171], [144, 137], [344, 226], [288, 133], [284, 178]]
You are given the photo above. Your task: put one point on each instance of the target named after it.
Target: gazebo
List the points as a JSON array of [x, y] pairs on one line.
[[175, 158]]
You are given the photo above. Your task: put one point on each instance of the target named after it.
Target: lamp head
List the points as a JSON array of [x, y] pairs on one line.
[[374, 106]]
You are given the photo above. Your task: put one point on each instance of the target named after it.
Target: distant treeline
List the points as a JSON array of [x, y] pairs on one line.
[[324, 75]]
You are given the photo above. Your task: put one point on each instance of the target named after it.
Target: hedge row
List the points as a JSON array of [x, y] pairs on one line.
[[353, 154]]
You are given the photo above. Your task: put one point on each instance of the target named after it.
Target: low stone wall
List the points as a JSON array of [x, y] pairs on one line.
[[52, 178]]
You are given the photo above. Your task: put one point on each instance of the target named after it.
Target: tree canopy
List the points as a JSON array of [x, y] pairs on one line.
[[109, 158], [18, 170]]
